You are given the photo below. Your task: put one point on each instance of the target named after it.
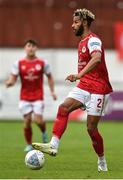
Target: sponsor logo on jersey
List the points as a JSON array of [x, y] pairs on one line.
[[30, 75], [83, 49], [94, 44], [38, 67]]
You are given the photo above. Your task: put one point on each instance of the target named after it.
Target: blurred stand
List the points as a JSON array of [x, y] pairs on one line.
[[49, 22]]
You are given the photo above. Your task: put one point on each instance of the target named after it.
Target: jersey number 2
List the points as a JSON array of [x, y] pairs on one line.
[[99, 102]]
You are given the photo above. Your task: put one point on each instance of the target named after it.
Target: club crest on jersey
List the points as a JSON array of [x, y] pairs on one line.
[[83, 49], [38, 67], [23, 67]]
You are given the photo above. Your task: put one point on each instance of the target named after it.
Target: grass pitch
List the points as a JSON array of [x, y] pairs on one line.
[[76, 158]]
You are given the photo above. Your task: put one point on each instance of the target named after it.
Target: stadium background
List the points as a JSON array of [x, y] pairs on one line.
[[49, 22]]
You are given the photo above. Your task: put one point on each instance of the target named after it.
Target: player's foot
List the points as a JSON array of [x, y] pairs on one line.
[[102, 165], [46, 148], [45, 137], [28, 148]]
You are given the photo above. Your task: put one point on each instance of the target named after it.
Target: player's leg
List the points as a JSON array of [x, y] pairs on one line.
[[28, 131], [64, 110], [94, 115], [42, 126], [59, 127], [97, 141], [74, 101], [26, 109], [38, 109]]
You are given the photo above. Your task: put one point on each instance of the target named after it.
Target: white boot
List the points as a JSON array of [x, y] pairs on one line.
[[102, 165]]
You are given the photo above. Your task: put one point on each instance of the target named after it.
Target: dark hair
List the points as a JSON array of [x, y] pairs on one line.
[[85, 14], [31, 41]]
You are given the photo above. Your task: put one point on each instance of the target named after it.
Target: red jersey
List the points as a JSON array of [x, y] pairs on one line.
[[97, 80], [31, 75]]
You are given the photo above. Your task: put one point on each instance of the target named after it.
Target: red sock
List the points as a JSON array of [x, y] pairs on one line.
[[97, 141], [28, 135], [60, 123]]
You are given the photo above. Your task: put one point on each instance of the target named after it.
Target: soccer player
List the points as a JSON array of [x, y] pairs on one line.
[[31, 70], [91, 92]]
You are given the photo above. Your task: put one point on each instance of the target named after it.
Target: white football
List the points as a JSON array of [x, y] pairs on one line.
[[34, 159]]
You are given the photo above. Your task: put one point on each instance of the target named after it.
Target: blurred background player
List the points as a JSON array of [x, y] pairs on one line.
[[91, 92], [31, 70]]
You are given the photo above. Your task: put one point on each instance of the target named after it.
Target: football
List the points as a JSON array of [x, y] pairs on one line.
[[34, 159]]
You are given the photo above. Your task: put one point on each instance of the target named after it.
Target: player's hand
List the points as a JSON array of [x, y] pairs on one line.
[[54, 96], [72, 77], [7, 84]]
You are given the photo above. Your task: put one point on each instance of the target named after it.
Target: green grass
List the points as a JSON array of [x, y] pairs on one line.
[[76, 158]]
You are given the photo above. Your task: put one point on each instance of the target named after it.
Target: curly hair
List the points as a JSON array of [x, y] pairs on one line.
[[85, 14]]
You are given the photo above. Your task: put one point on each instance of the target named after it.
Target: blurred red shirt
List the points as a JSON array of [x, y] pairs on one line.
[[31, 75]]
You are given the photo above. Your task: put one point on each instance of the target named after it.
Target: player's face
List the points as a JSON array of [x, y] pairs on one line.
[[77, 26], [30, 49]]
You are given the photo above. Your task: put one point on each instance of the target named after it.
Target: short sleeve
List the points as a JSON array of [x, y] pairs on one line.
[[94, 44], [47, 69], [15, 68]]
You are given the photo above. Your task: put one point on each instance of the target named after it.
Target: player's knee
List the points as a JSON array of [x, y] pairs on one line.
[[91, 127], [63, 110], [38, 119], [40, 122], [91, 132], [27, 121], [27, 124]]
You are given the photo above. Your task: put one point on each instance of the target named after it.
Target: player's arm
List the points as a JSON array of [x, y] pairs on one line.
[[95, 51], [13, 76], [51, 85], [95, 60], [11, 80]]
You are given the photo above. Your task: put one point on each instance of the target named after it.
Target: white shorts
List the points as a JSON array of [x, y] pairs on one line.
[[35, 106], [94, 103]]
